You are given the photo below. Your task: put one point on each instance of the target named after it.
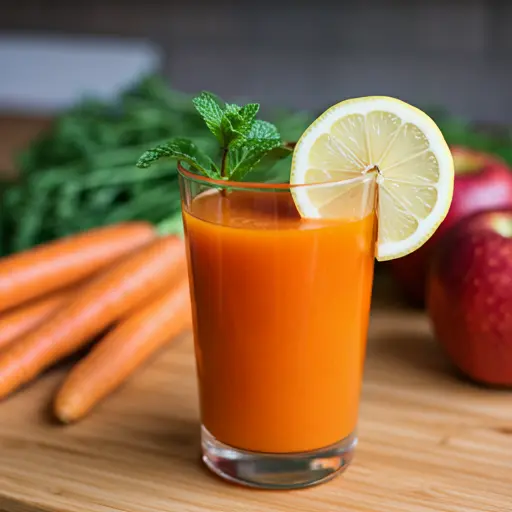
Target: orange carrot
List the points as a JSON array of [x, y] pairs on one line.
[[19, 321], [122, 351], [48, 267], [102, 301]]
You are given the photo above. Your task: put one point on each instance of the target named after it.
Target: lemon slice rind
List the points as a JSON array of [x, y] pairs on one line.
[[409, 115]]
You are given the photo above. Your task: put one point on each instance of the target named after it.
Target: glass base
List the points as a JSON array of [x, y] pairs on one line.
[[276, 471]]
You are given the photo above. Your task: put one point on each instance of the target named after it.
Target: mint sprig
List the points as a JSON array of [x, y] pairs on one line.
[[245, 142], [184, 150], [262, 138]]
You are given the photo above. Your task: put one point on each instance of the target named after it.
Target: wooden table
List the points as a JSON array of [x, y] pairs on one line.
[[429, 441]]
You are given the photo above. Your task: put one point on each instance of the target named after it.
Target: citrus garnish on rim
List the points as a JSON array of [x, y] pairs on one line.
[[405, 150]]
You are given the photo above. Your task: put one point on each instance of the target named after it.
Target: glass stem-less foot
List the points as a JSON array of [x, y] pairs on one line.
[[276, 471]]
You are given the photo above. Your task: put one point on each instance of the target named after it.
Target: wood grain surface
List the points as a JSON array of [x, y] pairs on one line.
[[429, 440]]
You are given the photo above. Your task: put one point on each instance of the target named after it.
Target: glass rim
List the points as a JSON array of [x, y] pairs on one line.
[[199, 178]]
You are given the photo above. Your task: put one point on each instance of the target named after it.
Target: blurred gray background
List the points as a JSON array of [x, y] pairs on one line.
[[452, 53]]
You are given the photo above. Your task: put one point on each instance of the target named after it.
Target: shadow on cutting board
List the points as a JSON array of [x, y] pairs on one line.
[[410, 352]]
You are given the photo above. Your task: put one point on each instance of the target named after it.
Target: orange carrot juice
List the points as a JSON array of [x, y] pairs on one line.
[[281, 308]]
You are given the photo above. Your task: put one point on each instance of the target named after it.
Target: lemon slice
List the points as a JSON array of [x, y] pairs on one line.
[[386, 138]]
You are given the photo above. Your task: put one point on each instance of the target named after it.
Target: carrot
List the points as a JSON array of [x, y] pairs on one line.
[[102, 301], [48, 267], [19, 321], [122, 351]]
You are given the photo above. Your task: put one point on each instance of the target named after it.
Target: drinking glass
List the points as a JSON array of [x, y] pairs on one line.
[[280, 315]]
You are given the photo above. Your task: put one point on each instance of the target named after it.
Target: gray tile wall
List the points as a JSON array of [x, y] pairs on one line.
[[456, 53]]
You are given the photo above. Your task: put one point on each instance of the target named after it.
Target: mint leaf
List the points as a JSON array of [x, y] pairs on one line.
[[180, 149], [263, 130], [266, 169], [248, 151], [237, 123], [243, 159], [232, 127], [232, 108], [210, 109], [260, 130], [229, 123], [248, 113]]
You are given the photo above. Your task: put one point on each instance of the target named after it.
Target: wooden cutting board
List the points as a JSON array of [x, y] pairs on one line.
[[429, 441]]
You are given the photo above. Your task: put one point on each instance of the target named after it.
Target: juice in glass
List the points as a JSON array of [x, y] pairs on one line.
[[281, 308]]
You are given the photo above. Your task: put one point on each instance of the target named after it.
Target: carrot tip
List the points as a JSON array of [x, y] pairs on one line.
[[64, 418], [64, 412]]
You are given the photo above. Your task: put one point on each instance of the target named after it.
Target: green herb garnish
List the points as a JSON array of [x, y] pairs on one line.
[[245, 142]]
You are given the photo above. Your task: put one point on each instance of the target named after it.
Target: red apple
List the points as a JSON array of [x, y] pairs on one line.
[[482, 182], [469, 296]]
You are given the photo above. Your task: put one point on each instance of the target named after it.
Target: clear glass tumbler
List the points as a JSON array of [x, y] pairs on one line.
[[281, 308]]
